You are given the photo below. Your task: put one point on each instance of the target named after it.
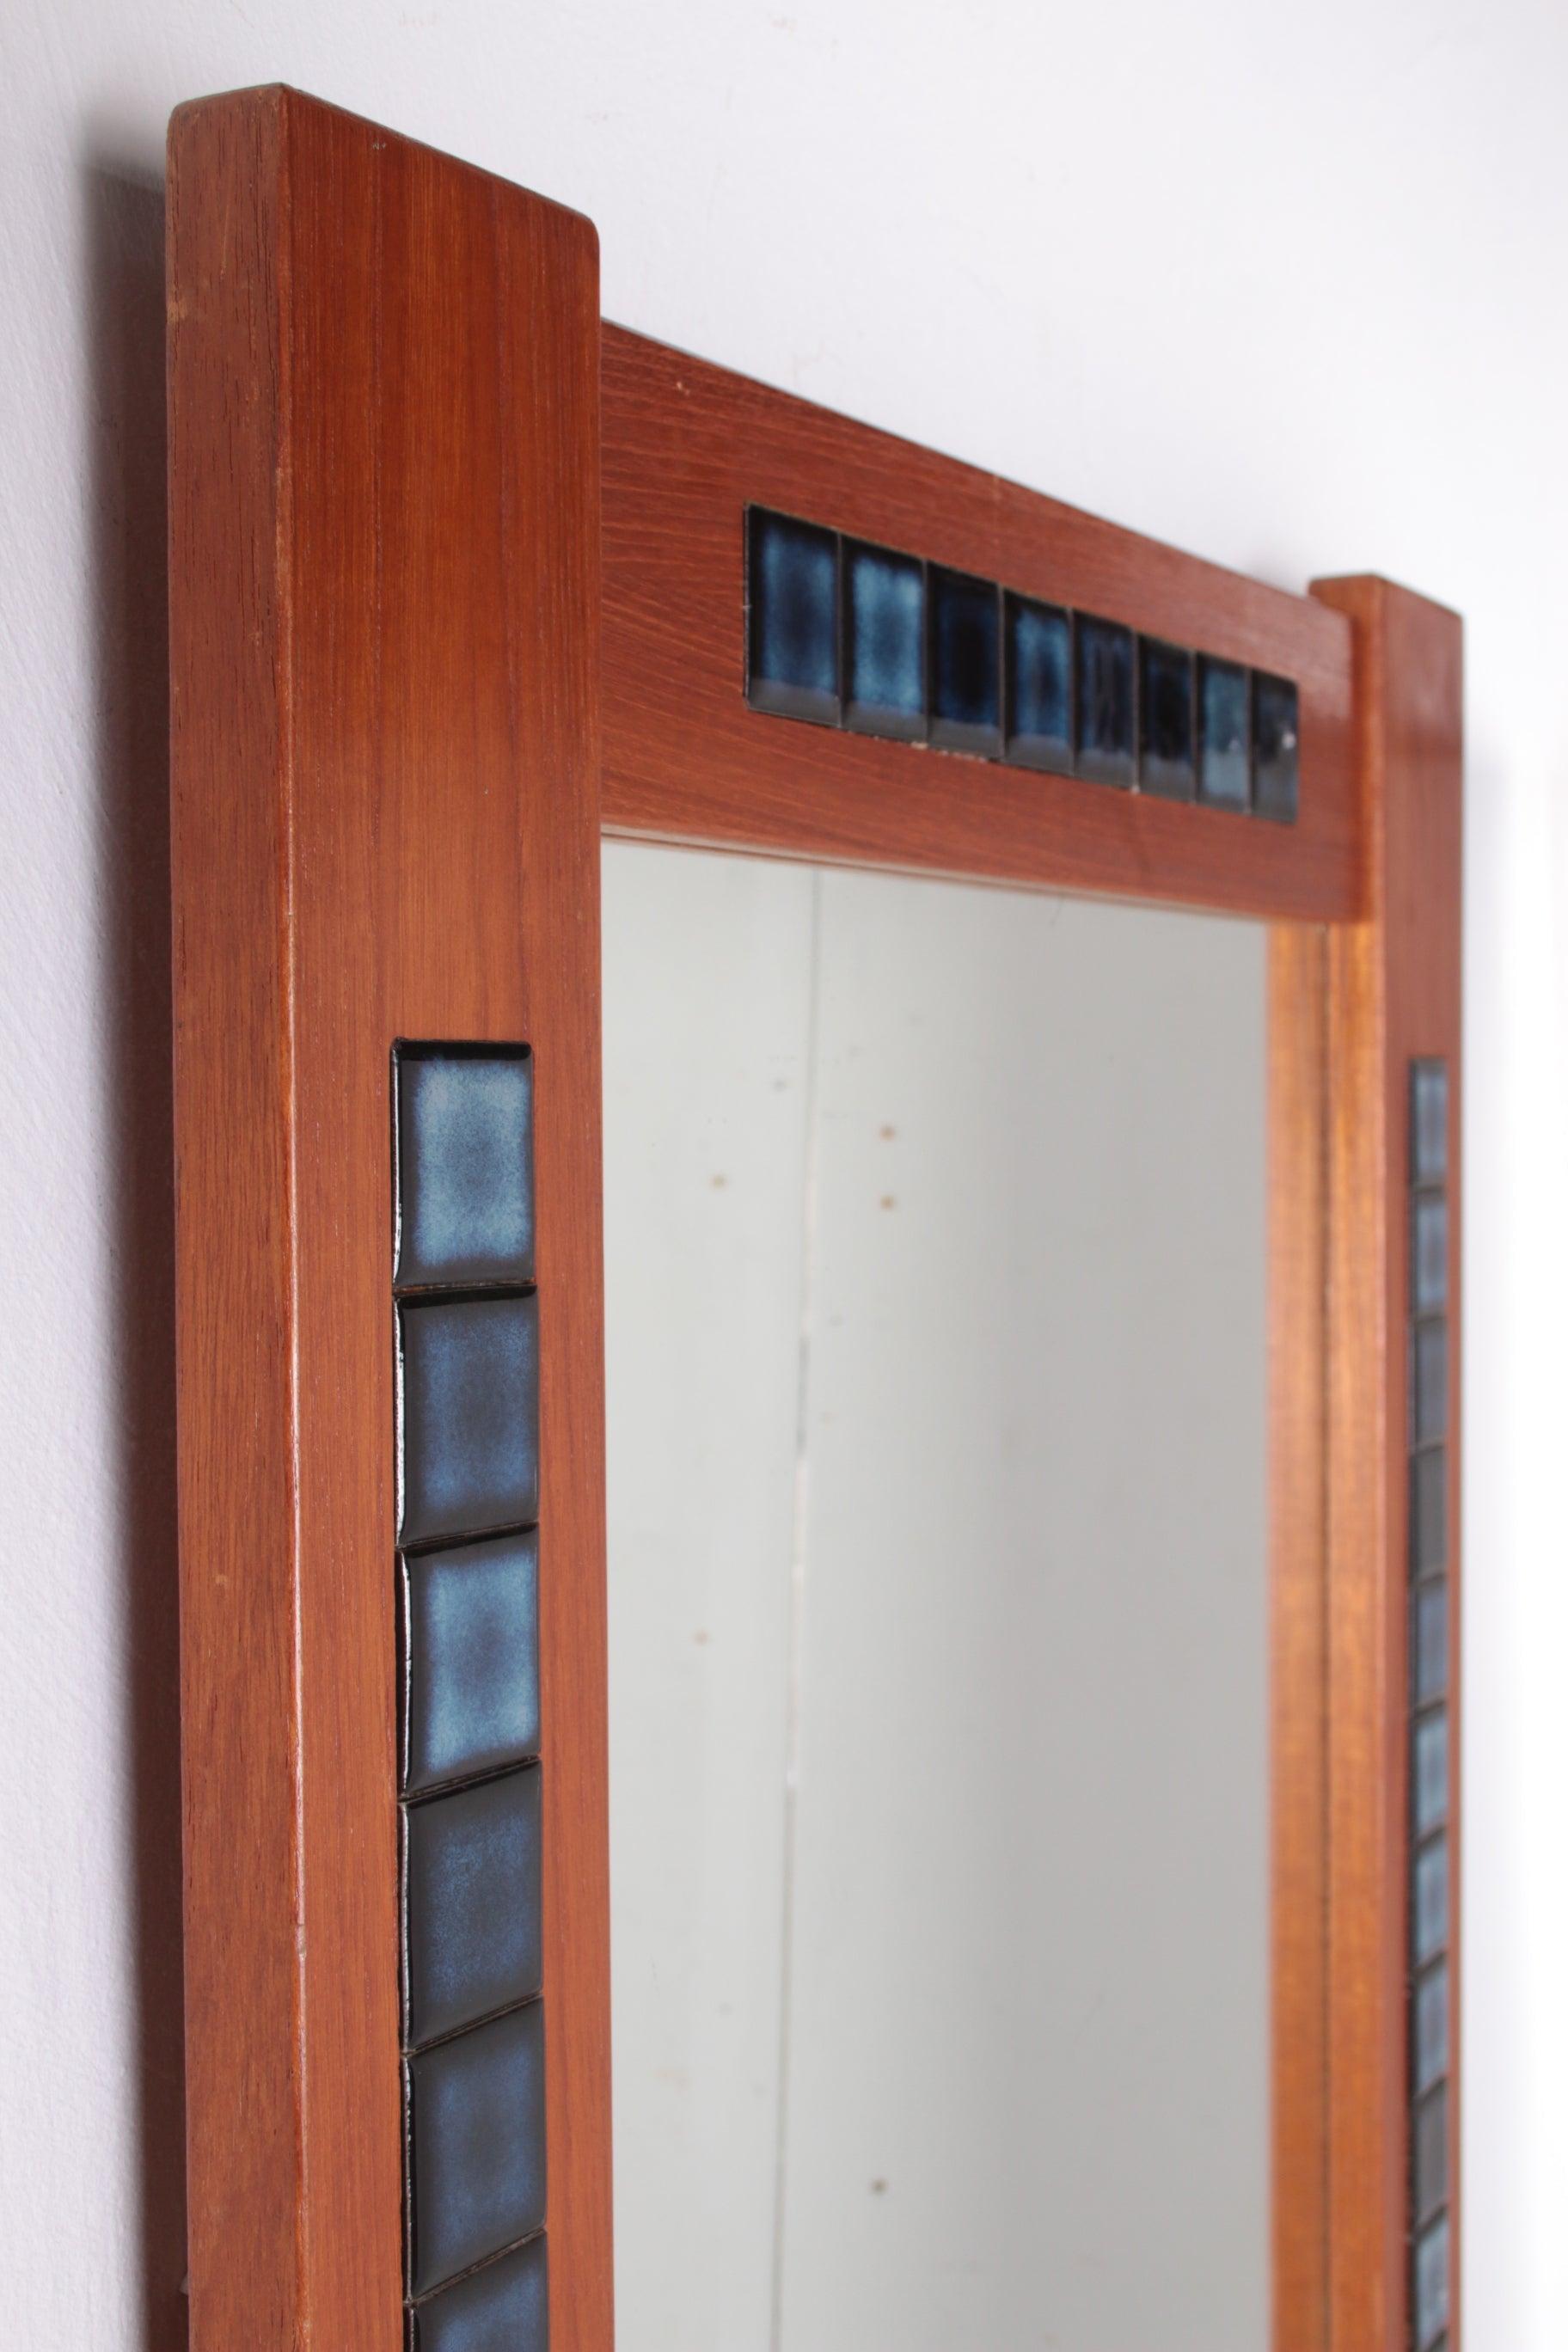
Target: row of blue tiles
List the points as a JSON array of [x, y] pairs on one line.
[[850, 635], [1430, 2267], [468, 1592]]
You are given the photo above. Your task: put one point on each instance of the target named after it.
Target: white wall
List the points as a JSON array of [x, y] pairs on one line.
[[1283, 286], [939, 1769]]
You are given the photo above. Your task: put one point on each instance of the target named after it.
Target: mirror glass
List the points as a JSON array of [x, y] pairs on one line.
[[938, 1615]]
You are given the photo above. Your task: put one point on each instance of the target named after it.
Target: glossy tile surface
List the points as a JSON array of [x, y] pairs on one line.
[[1429, 2154], [1428, 1122], [1431, 2278], [505, 2307], [476, 2145], [465, 1167], [1429, 1642], [793, 581], [965, 664], [1429, 1906], [884, 642], [471, 1898], [1431, 2035], [1167, 720], [1224, 735], [1037, 662], [469, 1686], [1275, 727], [1430, 1254], [1429, 1773], [1105, 694], [469, 1398], [1430, 1382], [1429, 1511]]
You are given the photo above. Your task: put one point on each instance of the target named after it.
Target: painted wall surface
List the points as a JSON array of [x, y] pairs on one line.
[[938, 1615], [1281, 285]]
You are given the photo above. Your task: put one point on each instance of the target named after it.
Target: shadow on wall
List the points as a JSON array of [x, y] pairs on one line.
[[123, 230]]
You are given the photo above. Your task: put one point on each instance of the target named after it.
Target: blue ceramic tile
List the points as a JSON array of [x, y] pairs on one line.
[[965, 664], [1431, 2285], [475, 2146], [1429, 2154], [1276, 726], [1430, 2036], [1429, 1642], [470, 1897], [1429, 1511], [1428, 1122], [465, 1163], [1429, 1902], [1166, 720], [1225, 734], [793, 582], [1429, 1254], [469, 1412], [1106, 697], [471, 1659], [505, 2307], [1428, 1382], [884, 642], [1429, 1774], [1038, 663]]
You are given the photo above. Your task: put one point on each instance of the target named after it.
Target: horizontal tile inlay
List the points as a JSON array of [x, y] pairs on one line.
[[880, 641]]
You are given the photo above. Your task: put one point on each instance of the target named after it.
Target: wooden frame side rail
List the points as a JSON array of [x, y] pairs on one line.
[[385, 377]]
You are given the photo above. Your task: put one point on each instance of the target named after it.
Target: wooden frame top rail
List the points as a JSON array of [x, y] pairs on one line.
[[689, 446]]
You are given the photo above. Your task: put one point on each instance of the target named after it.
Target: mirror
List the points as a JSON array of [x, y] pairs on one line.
[[935, 1246]]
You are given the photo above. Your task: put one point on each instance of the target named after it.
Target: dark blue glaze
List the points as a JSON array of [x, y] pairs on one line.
[[1429, 2154], [1105, 696], [476, 2145], [1428, 1382], [468, 1399], [465, 1155], [965, 664], [1429, 1906], [471, 1659], [1431, 2285], [505, 2307], [793, 582], [1430, 2037], [1429, 1774], [1225, 728], [1428, 1122], [1167, 720], [1429, 1642], [1430, 1254], [1275, 747], [884, 642], [1039, 667], [470, 1895], [1429, 1511]]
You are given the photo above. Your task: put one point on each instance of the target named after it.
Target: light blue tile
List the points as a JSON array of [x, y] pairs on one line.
[[1428, 1122], [1431, 2285], [1429, 1902], [1039, 684], [1105, 696], [1431, 2027], [1429, 1773], [471, 1903], [471, 1659], [465, 1150], [792, 582], [476, 2145], [1225, 734], [468, 1410], [885, 629]]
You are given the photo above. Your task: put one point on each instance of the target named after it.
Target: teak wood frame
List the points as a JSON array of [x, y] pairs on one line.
[[394, 746]]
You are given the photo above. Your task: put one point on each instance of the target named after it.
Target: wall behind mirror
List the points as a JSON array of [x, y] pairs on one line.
[[935, 1250]]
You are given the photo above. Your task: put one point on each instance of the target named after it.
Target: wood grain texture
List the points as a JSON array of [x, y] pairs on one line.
[[1393, 993], [688, 446], [1297, 1379], [383, 405]]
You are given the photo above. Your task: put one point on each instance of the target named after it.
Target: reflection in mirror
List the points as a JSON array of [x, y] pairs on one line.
[[939, 1732]]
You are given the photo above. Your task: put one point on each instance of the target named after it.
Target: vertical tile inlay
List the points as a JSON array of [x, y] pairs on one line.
[[1429, 1894], [466, 1596]]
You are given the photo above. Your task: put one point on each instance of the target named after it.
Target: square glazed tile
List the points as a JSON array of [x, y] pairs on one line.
[[1039, 665], [793, 585], [469, 1686], [470, 1904], [1105, 692], [1167, 720], [469, 1415], [884, 642], [475, 2146], [1225, 734], [504, 2307], [965, 664], [465, 1166]]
